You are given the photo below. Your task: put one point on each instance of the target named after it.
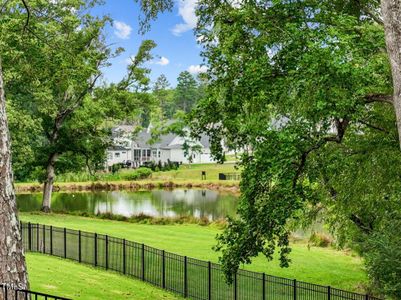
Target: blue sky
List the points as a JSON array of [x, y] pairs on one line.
[[176, 49]]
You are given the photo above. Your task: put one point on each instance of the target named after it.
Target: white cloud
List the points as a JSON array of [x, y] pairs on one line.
[[129, 59], [186, 9], [196, 69], [122, 30], [163, 61]]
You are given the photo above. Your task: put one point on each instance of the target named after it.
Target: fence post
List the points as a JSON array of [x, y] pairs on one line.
[[295, 289], [185, 277], [65, 242], [163, 269], [264, 286], [37, 238], [143, 262], [124, 258], [95, 259], [209, 280], [29, 236], [44, 238], [79, 246], [235, 287], [107, 252], [51, 240], [328, 293]]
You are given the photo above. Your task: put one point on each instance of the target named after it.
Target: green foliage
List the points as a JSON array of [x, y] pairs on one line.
[[59, 113], [382, 254], [118, 174], [167, 166], [186, 92], [300, 85]]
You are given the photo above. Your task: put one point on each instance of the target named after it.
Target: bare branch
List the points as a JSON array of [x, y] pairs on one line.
[[28, 14]]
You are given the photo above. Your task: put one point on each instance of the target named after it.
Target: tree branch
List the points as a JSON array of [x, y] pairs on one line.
[[378, 98], [341, 126], [374, 16], [366, 228], [373, 126], [28, 14]]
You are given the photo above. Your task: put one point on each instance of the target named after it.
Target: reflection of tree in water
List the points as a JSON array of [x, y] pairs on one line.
[[29, 202], [197, 203]]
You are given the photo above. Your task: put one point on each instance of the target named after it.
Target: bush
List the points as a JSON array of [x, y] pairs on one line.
[[167, 166], [382, 253], [320, 240], [137, 174]]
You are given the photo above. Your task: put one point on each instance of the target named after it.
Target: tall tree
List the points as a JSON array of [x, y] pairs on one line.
[[391, 11], [163, 96], [13, 269], [306, 86], [12, 260], [186, 92], [62, 60]]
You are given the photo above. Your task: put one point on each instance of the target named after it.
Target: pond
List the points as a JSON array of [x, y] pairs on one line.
[[158, 203]]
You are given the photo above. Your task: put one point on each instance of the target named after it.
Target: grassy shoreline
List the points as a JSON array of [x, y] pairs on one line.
[[35, 187], [187, 176]]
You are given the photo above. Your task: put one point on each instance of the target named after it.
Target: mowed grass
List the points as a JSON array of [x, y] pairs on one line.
[[194, 172], [186, 174], [323, 266], [69, 279]]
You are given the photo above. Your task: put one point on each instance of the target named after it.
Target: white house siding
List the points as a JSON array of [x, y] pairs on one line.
[[118, 156], [165, 155], [178, 155]]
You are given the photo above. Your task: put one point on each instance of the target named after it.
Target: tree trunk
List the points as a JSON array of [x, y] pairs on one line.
[[48, 186], [13, 270], [391, 11]]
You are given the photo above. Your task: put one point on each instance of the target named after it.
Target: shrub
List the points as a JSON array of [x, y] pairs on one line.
[[320, 240], [137, 174]]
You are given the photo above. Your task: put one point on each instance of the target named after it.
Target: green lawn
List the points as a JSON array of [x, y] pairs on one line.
[[69, 279], [186, 175], [316, 265], [193, 172]]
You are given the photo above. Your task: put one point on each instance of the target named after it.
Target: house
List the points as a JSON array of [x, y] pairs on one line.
[[143, 149], [121, 151]]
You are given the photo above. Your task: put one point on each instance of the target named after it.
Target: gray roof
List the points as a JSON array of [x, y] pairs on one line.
[[143, 137], [118, 148], [121, 130]]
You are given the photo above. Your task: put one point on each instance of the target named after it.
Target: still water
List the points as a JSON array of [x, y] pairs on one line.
[[158, 203]]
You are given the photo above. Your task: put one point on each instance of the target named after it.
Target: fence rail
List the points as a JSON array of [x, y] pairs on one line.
[[187, 276], [9, 293]]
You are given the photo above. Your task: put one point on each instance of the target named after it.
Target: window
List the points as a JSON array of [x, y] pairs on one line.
[[124, 152], [159, 152], [137, 154], [148, 152], [154, 153], [117, 154]]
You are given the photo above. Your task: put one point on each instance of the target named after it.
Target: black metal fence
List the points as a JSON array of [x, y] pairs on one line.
[[9, 293], [187, 276]]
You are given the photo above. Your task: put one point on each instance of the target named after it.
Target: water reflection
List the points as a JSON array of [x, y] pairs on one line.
[[158, 203]]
